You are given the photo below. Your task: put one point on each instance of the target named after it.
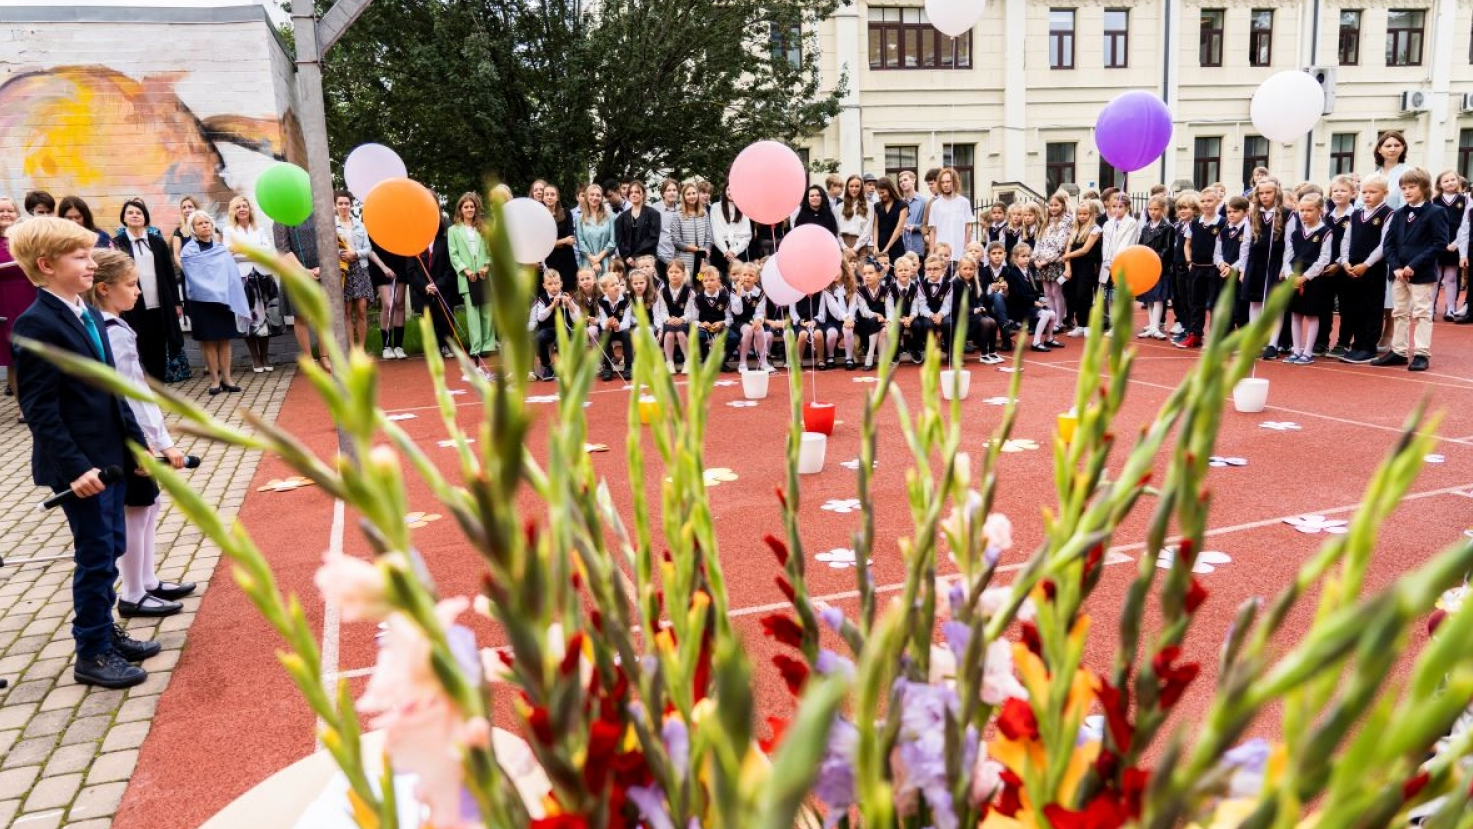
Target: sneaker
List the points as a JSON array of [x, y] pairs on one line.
[[1081, 331], [1319, 351], [1337, 351], [685, 367], [1159, 335], [1178, 337], [1270, 353], [132, 649], [1357, 357], [1176, 328], [108, 671], [1306, 359], [445, 352], [1145, 333], [387, 355], [1189, 341], [767, 367], [670, 366], [1390, 358], [1419, 363], [399, 354], [606, 375]]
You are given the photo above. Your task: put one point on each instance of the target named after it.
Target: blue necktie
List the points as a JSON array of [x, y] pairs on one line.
[[93, 335]]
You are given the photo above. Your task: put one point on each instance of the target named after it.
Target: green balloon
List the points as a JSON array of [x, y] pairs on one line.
[[284, 192]]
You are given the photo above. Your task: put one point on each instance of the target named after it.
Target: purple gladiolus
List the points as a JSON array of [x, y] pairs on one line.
[[834, 786], [651, 805], [677, 743], [832, 617], [830, 663]]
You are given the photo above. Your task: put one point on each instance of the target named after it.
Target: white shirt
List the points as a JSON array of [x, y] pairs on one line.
[[124, 342], [861, 226], [148, 279], [76, 305], [258, 236], [950, 217]]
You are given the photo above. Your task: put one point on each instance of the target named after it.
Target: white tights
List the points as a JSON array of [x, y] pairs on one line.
[[137, 564]]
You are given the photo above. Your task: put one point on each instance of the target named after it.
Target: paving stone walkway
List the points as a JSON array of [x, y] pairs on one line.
[[67, 751]]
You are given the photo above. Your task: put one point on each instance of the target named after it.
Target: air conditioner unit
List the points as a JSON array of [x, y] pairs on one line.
[[1325, 75], [1467, 102], [1416, 100]]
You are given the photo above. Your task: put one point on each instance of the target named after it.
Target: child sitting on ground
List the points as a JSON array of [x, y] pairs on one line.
[[550, 308]]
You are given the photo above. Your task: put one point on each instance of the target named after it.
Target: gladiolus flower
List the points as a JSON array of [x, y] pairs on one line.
[[794, 672], [359, 588], [779, 549], [1196, 595], [783, 629], [997, 530], [1016, 722], [1174, 678]]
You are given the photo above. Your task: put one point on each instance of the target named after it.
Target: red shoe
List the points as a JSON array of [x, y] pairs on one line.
[[1189, 341]]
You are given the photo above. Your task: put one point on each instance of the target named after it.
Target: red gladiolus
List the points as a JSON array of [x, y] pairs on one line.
[[1116, 703], [1414, 785], [1174, 679], [1133, 784], [1030, 639], [1009, 800], [1092, 560], [782, 497], [1196, 595], [787, 589], [779, 727], [507, 658], [1104, 812], [794, 672], [1050, 590], [783, 629], [1016, 722], [701, 679], [603, 740], [596, 619], [779, 549], [559, 822], [577, 580], [572, 654], [541, 724]]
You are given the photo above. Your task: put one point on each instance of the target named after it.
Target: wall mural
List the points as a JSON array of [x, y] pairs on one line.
[[97, 133]]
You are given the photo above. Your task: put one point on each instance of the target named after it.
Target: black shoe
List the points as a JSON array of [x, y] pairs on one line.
[[1390, 358], [108, 671], [172, 591], [1320, 351], [1270, 353], [1039, 347], [1007, 344], [230, 387], [1358, 357], [132, 649], [1338, 351], [1448, 317], [1052, 344], [149, 605], [1419, 363], [1014, 327], [850, 365], [821, 365], [606, 375], [214, 390], [1466, 319]]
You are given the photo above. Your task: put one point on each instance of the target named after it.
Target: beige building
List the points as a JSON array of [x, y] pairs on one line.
[[1016, 99]]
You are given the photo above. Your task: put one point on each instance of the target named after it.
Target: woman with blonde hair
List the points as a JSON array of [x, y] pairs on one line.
[[1048, 257], [856, 220], [262, 295], [691, 230], [469, 258], [594, 233]]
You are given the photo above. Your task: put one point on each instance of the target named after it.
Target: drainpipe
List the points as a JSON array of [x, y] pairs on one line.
[[1167, 43], [1314, 52]]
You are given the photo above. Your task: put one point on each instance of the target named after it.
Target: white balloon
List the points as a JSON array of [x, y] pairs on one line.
[[532, 230], [370, 164], [1287, 105], [777, 288], [954, 18]]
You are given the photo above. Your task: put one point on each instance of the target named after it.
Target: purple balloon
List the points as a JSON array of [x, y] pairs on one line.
[[1133, 130]]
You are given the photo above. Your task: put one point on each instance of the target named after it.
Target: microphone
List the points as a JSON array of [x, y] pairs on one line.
[[190, 461], [109, 475]]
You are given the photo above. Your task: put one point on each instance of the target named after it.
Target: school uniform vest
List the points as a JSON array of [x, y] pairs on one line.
[[995, 233], [808, 307], [905, 298], [1337, 231], [614, 310], [1232, 243], [589, 306], [713, 308], [675, 303], [1365, 236], [1304, 249], [1204, 240], [1266, 250], [552, 319], [749, 303], [935, 295], [875, 302], [1179, 246], [1457, 213], [975, 294], [1010, 240]]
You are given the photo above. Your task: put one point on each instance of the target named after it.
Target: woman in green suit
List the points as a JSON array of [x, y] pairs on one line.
[[469, 259]]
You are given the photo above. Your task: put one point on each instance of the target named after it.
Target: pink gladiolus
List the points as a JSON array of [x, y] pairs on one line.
[[986, 778], [998, 681], [357, 587], [998, 532]]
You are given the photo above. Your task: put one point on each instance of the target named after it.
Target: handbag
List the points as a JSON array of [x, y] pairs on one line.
[[176, 364]]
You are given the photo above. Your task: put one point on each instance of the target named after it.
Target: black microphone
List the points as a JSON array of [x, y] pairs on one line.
[[109, 475], [190, 461]]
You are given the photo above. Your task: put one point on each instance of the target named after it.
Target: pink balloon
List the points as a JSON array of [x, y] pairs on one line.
[[809, 258], [778, 290], [768, 181]]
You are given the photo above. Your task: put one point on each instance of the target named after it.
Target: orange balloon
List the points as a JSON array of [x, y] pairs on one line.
[[401, 215], [1138, 268]]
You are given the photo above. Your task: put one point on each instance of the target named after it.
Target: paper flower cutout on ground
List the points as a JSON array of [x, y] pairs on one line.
[[839, 558], [403, 416], [595, 447], [1434, 458], [724, 383], [854, 464], [286, 484], [715, 476], [742, 404], [542, 398], [456, 391], [1313, 524], [1207, 561], [415, 520], [868, 378], [1008, 369], [997, 401], [1218, 461], [841, 505], [449, 443], [1018, 445], [1281, 425]]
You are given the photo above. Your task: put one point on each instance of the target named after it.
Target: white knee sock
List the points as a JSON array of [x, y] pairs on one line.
[[138, 562]]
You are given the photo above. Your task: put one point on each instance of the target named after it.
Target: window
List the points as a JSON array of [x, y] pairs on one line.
[[898, 159], [904, 39], [1404, 37], [1342, 153], [1206, 161], [1209, 46], [1110, 177], [1465, 153], [1117, 38], [1261, 38], [962, 158], [1061, 38], [1349, 37], [1255, 154], [786, 43], [1058, 166]]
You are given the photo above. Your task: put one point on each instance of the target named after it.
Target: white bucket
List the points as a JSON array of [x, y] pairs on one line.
[[1250, 395], [754, 384], [955, 383], [811, 450]]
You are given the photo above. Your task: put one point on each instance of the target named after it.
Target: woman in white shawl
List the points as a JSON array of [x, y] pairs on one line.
[[214, 299]]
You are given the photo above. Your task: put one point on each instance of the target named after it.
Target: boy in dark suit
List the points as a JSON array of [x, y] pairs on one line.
[[1417, 233], [77, 431]]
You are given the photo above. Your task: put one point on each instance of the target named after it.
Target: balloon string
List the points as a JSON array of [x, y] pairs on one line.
[[449, 317]]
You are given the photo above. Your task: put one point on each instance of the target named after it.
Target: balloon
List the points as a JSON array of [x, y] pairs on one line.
[[532, 230], [1138, 268], [402, 216], [284, 192], [1133, 130], [1287, 105], [954, 18], [809, 258], [370, 164], [778, 290], [768, 181]]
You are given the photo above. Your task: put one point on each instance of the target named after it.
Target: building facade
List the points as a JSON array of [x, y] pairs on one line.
[[1015, 100]]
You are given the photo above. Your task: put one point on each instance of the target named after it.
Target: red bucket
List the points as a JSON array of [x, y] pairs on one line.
[[818, 417]]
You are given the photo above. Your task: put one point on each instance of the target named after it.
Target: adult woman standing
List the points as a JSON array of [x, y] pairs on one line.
[[262, 295], [353, 258], [16, 291], [891, 214], [562, 259], [155, 317], [815, 210], [471, 263], [856, 221], [731, 233], [692, 229], [73, 209], [637, 230], [187, 206], [669, 211], [595, 231], [1390, 155], [215, 297]]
